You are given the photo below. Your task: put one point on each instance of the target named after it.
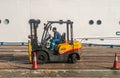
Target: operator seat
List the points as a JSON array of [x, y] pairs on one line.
[[63, 37]]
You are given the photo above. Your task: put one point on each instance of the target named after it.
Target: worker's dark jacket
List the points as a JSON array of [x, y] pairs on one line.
[[57, 35]]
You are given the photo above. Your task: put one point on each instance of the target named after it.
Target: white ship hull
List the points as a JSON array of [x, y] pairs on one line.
[[95, 21]]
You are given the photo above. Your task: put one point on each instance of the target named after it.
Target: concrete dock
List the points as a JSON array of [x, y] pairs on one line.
[[96, 62]]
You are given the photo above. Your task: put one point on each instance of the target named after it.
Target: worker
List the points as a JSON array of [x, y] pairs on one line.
[[56, 38]]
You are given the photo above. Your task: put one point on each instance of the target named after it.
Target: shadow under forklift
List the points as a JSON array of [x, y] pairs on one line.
[[65, 51]]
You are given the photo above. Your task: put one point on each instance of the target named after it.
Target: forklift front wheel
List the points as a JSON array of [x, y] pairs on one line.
[[73, 58], [42, 57]]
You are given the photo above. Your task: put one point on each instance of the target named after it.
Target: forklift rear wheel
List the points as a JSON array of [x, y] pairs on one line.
[[73, 58], [42, 57]]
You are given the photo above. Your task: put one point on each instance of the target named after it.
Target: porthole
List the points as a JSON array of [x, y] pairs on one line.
[[6, 21], [91, 22], [0, 21], [118, 33], [99, 22], [119, 22]]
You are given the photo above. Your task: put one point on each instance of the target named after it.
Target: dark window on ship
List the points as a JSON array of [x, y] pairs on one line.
[[91, 22], [0, 21], [99, 22], [6, 21]]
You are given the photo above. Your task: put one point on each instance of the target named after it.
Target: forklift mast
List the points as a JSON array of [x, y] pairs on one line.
[[33, 30]]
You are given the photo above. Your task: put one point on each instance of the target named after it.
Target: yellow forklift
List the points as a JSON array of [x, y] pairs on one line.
[[65, 51]]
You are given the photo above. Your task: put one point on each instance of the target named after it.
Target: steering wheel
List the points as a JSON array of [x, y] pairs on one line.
[[48, 37]]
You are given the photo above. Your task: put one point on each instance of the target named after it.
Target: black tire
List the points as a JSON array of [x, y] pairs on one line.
[[72, 58], [42, 57]]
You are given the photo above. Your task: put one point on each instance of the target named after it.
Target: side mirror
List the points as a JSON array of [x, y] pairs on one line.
[[45, 28]]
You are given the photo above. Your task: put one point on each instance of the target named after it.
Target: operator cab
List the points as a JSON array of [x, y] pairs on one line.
[[47, 34]]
